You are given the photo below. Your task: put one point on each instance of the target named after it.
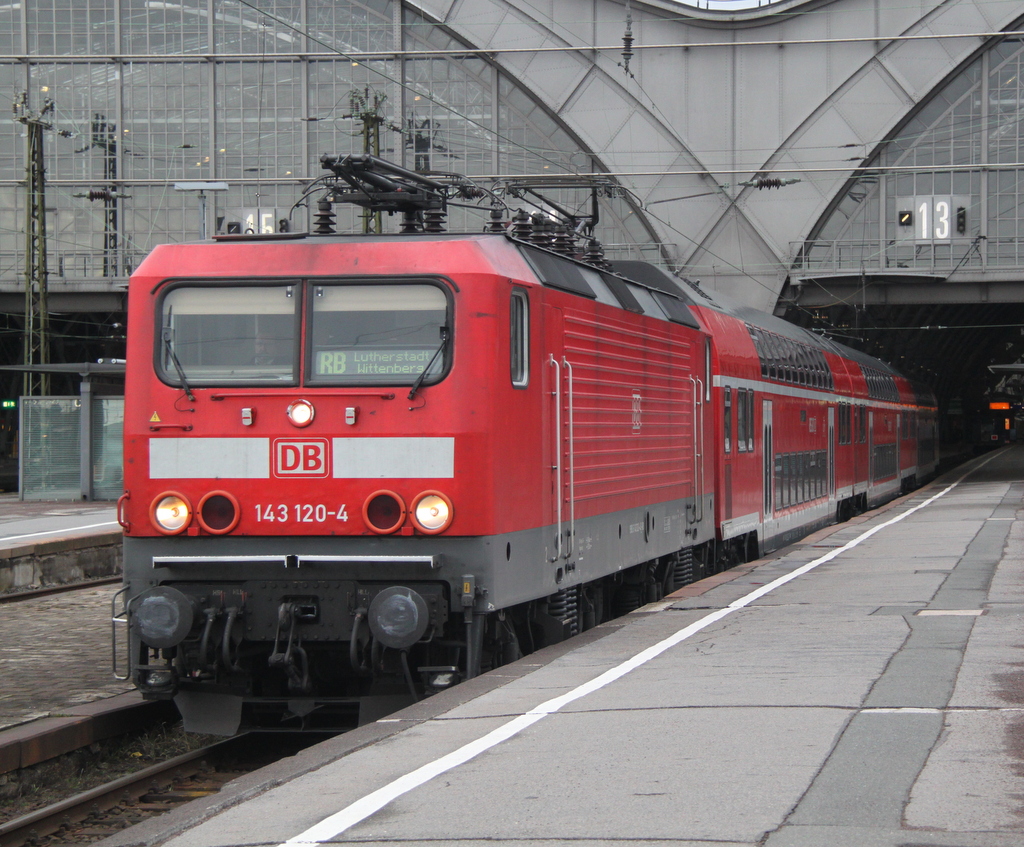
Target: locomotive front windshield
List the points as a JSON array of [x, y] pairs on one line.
[[213, 336], [356, 334], [388, 334]]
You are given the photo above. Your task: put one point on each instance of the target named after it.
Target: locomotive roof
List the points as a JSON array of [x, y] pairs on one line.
[[647, 275]]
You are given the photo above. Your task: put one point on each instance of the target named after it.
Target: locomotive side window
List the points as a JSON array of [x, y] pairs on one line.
[[520, 339], [228, 334], [380, 334]]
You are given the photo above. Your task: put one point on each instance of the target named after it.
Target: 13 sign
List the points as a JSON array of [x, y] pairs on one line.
[[932, 218]]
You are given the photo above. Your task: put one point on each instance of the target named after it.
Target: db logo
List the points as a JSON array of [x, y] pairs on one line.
[[301, 458]]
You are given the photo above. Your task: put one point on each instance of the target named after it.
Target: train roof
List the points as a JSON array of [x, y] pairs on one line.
[[676, 295]]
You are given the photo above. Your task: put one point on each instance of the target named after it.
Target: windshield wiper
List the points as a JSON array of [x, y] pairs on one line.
[[177, 365], [430, 364]]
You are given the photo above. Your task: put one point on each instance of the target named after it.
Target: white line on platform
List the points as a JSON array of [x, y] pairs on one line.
[[366, 806], [56, 531]]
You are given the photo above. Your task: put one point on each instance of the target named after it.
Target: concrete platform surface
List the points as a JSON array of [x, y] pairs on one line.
[[28, 521], [50, 543], [863, 688]]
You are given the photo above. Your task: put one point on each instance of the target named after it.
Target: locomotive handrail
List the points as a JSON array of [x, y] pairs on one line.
[[558, 454], [571, 541], [383, 395], [698, 457], [435, 561], [155, 426], [115, 619], [120, 513]]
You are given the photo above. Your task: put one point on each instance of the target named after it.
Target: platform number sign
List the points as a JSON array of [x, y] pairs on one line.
[[931, 218]]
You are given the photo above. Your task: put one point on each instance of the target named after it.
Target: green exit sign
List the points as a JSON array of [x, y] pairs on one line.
[[8, 404]]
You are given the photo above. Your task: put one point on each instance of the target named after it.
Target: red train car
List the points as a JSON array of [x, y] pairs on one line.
[[361, 468], [806, 431]]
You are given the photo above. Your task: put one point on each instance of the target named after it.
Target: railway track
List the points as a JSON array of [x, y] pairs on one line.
[[100, 812]]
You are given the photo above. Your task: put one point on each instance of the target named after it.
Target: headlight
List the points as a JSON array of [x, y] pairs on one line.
[[300, 413], [432, 512], [384, 512], [162, 616], [218, 512], [170, 513]]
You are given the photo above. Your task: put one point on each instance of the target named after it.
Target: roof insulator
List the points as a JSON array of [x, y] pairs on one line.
[[323, 220]]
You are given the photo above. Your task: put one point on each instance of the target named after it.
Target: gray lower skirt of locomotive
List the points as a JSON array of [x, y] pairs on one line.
[[332, 575], [508, 569]]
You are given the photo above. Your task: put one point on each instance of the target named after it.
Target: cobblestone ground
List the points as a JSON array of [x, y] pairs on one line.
[[55, 653]]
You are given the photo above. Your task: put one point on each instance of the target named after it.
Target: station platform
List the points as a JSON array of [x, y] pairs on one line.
[[47, 543], [56, 686], [863, 688]]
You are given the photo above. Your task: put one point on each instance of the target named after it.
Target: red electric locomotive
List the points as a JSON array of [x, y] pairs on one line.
[[361, 468]]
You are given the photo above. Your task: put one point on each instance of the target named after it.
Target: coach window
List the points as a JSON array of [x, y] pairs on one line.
[[799, 373], [223, 335], [762, 350], [377, 334], [791, 361], [750, 420], [727, 419], [520, 338]]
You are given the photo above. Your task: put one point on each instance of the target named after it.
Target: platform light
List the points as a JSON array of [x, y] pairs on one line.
[[200, 189]]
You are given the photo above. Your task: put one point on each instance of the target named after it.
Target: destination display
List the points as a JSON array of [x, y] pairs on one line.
[[371, 362]]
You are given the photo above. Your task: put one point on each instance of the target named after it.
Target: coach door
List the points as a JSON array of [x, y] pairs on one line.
[[871, 450], [899, 449], [768, 461]]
